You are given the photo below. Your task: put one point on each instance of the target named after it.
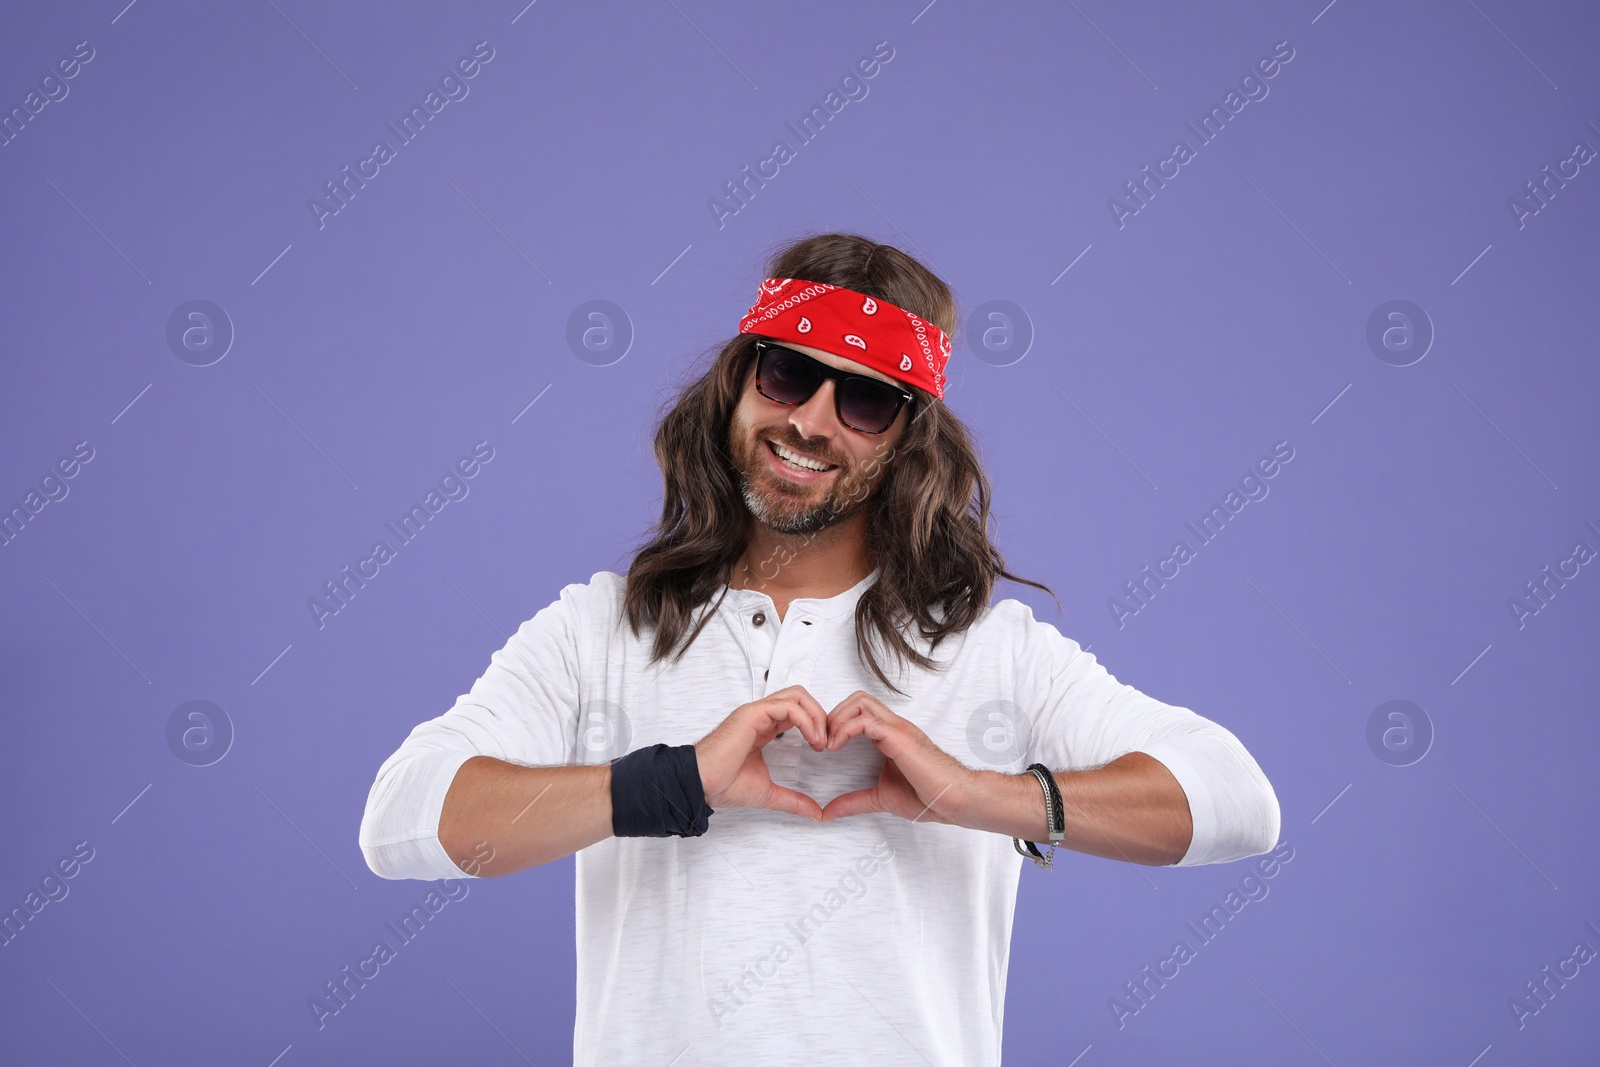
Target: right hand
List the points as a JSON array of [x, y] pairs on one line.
[[732, 770]]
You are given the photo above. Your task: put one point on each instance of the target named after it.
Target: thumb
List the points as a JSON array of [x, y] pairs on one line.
[[792, 802], [857, 802]]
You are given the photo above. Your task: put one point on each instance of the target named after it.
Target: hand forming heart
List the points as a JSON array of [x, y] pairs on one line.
[[919, 781]]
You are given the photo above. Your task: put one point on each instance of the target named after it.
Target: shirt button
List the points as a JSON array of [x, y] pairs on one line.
[[765, 673], [759, 618]]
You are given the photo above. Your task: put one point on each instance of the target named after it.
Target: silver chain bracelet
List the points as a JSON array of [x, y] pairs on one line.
[[1054, 817]]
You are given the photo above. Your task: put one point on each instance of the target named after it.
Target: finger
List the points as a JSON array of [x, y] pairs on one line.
[[848, 702], [858, 802], [791, 802], [810, 720], [863, 702], [877, 707], [767, 718], [892, 738], [840, 735], [767, 733], [847, 711], [798, 693], [815, 715], [803, 695]]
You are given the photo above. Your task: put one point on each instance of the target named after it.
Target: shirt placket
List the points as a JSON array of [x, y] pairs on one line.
[[786, 647]]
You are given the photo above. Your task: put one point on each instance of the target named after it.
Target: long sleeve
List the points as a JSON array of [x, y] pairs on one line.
[[523, 709], [1082, 717]]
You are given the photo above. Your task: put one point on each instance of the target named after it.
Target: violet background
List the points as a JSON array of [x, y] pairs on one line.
[[1229, 314]]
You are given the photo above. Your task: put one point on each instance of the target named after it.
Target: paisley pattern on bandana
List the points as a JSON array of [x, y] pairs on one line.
[[853, 325]]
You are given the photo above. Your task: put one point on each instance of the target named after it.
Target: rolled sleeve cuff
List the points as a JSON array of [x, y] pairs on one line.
[[1233, 808], [399, 834]]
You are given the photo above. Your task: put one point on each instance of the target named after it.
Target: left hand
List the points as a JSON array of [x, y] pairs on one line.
[[919, 781]]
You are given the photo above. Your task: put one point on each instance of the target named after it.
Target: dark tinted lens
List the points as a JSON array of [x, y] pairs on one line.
[[787, 376], [869, 406]]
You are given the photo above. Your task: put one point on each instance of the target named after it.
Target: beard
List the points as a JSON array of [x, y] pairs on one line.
[[792, 507]]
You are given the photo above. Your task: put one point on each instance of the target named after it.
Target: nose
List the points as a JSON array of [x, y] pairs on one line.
[[817, 417]]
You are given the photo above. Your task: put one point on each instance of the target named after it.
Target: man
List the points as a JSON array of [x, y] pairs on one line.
[[789, 747]]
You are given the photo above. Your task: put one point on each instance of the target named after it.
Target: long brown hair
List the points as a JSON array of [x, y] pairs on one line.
[[926, 527]]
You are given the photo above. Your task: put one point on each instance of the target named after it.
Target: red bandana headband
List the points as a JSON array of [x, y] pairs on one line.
[[853, 325]]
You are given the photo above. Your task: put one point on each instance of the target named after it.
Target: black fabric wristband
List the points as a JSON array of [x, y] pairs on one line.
[[656, 792]]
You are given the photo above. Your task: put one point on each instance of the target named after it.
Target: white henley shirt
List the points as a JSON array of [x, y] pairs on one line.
[[772, 939]]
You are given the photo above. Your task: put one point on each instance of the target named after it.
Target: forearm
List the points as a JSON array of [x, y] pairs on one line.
[[501, 817], [1132, 809]]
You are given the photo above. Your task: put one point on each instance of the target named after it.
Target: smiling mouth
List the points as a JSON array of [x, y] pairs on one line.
[[783, 455]]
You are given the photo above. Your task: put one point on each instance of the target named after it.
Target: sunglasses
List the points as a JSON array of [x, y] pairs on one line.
[[863, 403]]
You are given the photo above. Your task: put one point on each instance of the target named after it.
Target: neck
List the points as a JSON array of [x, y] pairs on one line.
[[793, 566]]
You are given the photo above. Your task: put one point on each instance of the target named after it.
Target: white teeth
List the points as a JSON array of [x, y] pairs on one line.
[[795, 460]]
